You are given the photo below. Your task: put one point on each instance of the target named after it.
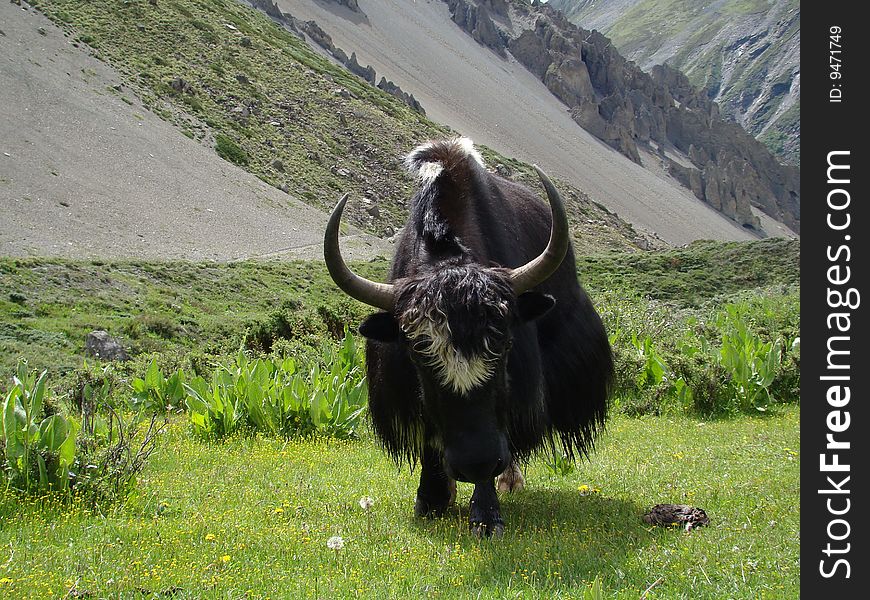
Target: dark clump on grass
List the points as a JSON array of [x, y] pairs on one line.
[[230, 151]]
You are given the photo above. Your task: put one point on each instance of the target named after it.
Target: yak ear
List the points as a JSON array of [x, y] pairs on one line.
[[532, 305], [381, 327]]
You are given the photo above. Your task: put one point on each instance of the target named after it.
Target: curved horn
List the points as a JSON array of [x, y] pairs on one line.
[[538, 269], [379, 295]]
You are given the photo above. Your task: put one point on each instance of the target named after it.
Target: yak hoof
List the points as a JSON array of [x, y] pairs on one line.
[[437, 506], [428, 509], [511, 480], [482, 530]]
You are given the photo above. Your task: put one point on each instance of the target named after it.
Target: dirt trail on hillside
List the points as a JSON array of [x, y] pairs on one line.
[[497, 102], [86, 174]]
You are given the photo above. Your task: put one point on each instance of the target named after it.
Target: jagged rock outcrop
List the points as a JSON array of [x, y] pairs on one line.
[[475, 19], [744, 55], [392, 88], [317, 35], [366, 72], [628, 109], [269, 7]]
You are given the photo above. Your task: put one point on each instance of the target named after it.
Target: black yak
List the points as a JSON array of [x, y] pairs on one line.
[[487, 348]]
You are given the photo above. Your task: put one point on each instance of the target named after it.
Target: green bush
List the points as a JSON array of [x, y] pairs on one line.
[[94, 457], [38, 452], [228, 150], [278, 398], [739, 358], [752, 363]]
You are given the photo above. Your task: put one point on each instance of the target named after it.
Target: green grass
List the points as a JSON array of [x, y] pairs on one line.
[[50, 305], [252, 517], [180, 309], [698, 272]]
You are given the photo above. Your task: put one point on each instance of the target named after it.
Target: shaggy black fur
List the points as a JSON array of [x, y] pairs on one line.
[[554, 372]]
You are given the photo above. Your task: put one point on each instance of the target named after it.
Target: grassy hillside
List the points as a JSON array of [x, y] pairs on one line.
[[698, 272], [231, 78], [184, 310]]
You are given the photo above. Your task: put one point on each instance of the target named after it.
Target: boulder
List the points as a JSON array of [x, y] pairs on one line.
[[103, 346]]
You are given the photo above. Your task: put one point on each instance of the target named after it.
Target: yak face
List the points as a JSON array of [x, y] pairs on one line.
[[456, 322]]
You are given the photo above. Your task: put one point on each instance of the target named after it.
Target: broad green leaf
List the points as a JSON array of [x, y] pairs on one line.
[[53, 432], [36, 396]]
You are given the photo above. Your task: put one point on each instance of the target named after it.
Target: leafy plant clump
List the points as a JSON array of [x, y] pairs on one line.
[[278, 397], [39, 449], [94, 455], [230, 151], [743, 359]]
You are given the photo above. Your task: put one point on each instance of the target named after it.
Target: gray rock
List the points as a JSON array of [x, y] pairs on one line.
[[568, 80], [181, 86], [394, 90], [367, 72], [103, 346], [476, 21]]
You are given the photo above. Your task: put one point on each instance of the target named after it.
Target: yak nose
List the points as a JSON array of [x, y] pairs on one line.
[[474, 469]]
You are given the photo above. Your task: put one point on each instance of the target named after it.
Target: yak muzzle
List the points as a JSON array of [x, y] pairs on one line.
[[477, 460]]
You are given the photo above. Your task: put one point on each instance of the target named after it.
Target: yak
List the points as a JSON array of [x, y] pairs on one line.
[[486, 348]]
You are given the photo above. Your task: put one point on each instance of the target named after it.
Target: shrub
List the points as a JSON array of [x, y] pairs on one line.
[[228, 150], [276, 397], [645, 383], [740, 358], [289, 321], [112, 452], [95, 459]]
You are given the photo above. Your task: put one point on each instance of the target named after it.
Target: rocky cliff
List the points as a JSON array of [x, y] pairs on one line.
[[745, 55], [317, 35], [632, 110]]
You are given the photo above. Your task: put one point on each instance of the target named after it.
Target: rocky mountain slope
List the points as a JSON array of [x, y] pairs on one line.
[[495, 100], [199, 130], [631, 110], [88, 171], [745, 54]]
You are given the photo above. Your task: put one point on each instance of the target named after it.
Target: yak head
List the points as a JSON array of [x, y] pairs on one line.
[[457, 320]]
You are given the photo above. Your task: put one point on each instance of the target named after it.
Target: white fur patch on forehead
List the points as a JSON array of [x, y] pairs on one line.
[[431, 338], [426, 161]]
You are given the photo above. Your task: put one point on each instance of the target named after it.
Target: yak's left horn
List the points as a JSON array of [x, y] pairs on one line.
[[379, 295]]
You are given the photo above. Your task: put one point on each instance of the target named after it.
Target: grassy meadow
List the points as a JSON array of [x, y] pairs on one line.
[[251, 514], [251, 517]]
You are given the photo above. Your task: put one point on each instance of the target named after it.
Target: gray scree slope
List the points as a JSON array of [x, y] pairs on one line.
[[85, 175], [500, 104]]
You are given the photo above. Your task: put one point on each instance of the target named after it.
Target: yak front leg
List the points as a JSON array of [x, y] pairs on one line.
[[437, 491], [485, 518]]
